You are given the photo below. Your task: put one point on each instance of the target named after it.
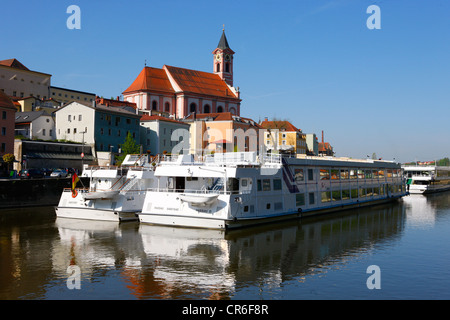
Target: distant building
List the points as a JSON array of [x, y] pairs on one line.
[[180, 92], [106, 127], [7, 112], [312, 145], [157, 133], [65, 95], [35, 125], [222, 132], [283, 137], [32, 103], [16, 80], [325, 148]]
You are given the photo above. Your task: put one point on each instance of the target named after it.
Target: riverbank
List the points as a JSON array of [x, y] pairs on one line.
[[17, 193]]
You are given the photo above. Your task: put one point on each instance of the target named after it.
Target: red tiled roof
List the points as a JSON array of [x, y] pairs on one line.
[[13, 63], [114, 103], [151, 79], [323, 146], [6, 102], [200, 82], [281, 125], [147, 117]]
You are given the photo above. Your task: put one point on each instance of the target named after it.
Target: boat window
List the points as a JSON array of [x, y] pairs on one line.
[[336, 195], [266, 184], [369, 174], [353, 174], [362, 192], [344, 174], [259, 185], [299, 175], [360, 174], [345, 194], [300, 199], [310, 174], [334, 174], [244, 182], [311, 198], [326, 197], [268, 206], [376, 191], [354, 193], [233, 184], [324, 174], [276, 184], [381, 173]]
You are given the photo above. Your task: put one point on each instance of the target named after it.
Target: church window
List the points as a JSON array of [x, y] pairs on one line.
[[193, 107], [167, 107], [218, 67], [227, 67], [206, 108], [220, 109], [154, 105]]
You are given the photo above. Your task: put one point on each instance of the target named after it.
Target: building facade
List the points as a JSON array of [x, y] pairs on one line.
[[180, 92], [16, 80], [64, 95], [35, 125], [161, 134], [281, 136], [7, 114], [106, 127]]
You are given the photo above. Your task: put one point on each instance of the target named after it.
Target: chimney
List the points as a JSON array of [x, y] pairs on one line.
[[266, 119], [322, 136]]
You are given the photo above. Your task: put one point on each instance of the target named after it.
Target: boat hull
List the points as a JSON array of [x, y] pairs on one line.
[[95, 214], [426, 189]]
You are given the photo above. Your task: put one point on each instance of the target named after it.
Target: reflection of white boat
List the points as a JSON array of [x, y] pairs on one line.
[[114, 194], [101, 195], [427, 179], [199, 199]]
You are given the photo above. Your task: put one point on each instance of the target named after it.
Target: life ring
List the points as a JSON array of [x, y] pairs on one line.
[[74, 193]]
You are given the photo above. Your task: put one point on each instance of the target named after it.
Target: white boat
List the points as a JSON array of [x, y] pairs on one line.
[[427, 179], [229, 190], [114, 193]]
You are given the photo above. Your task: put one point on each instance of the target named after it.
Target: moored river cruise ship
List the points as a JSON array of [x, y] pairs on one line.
[[236, 189], [427, 179], [114, 193]]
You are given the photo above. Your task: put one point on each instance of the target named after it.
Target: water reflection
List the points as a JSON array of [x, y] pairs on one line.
[[164, 262]]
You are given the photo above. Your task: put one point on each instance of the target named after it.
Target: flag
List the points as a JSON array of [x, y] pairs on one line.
[[75, 180]]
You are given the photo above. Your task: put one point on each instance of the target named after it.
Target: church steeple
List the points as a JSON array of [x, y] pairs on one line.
[[223, 59]]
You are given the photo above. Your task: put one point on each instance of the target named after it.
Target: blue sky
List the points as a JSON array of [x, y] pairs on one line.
[[312, 62]]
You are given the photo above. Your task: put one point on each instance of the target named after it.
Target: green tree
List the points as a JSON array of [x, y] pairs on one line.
[[128, 147], [8, 158], [443, 162]]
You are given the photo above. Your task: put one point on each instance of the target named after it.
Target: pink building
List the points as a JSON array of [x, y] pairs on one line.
[[180, 92], [7, 123]]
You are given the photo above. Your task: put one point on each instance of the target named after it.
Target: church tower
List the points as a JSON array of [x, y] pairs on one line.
[[223, 60]]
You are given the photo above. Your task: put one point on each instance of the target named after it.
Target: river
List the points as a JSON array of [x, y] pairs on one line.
[[394, 251]]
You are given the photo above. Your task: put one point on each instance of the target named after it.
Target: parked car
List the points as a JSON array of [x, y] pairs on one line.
[[47, 171], [59, 173], [31, 174]]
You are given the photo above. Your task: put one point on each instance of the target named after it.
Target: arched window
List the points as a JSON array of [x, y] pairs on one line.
[[227, 67], [192, 107], [219, 109], [206, 108], [233, 111], [167, 107], [154, 105], [218, 67]]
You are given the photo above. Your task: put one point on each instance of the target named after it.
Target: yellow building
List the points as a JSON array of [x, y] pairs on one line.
[[283, 137]]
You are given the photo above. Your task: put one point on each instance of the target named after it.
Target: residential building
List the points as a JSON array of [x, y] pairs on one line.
[[325, 148], [65, 95], [161, 134], [281, 136], [7, 111], [16, 80], [35, 125], [106, 127], [32, 103], [180, 92], [222, 132]]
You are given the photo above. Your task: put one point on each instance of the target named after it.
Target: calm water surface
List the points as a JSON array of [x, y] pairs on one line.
[[316, 258]]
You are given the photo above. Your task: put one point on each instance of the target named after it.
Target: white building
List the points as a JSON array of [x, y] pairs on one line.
[[75, 122], [35, 125]]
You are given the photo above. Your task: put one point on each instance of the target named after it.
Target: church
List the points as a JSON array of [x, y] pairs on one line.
[[181, 92]]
